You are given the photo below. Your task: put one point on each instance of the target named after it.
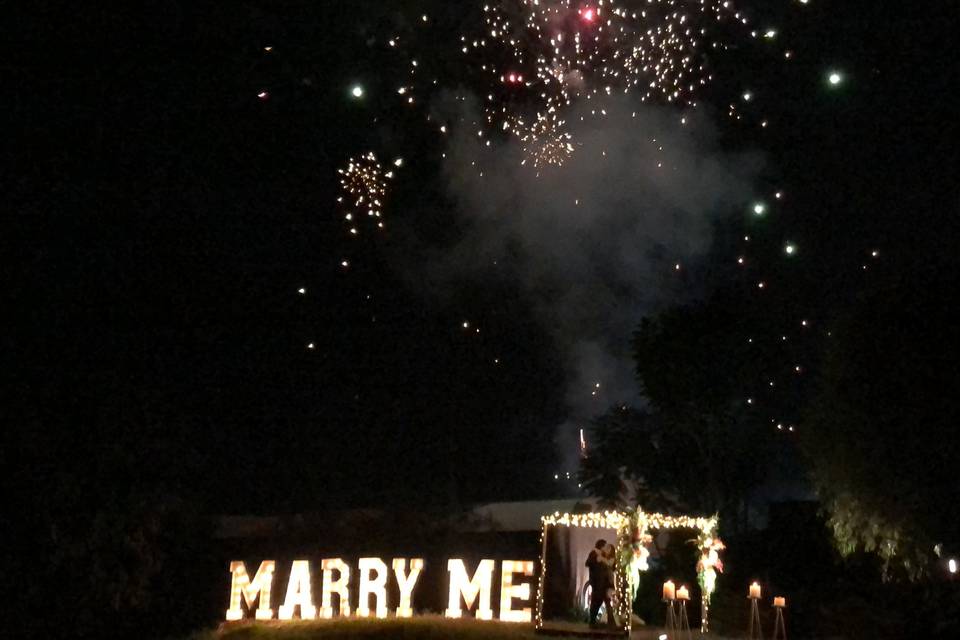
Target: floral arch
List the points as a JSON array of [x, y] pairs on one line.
[[633, 527]]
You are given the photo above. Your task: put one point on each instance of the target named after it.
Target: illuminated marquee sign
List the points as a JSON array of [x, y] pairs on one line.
[[252, 597]]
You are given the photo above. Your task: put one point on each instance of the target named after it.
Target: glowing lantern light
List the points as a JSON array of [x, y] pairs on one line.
[[241, 588], [460, 584], [377, 587], [340, 586], [509, 591], [406, 583], [669, 591], [298, 593]]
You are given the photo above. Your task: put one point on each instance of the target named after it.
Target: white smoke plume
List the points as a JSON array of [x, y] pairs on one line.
[[594, 244]]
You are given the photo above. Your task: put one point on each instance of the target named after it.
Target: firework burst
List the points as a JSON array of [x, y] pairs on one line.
[[363, 186], [552, 53]]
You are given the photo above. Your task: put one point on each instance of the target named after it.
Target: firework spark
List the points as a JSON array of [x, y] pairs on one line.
[[569, 51], [363, 186]]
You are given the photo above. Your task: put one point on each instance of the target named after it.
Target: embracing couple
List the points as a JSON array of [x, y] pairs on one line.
[[600, 565]]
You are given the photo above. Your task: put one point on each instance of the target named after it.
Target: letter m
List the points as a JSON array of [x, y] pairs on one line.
[[242, 589]]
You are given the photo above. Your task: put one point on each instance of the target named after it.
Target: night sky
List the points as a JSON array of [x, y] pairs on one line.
[[164, 217]]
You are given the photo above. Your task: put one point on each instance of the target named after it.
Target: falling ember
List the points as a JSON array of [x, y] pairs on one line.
[[658, 53], [363, 188], [545, 141]]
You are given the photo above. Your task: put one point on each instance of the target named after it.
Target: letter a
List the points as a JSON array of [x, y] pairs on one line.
[[299, 593]]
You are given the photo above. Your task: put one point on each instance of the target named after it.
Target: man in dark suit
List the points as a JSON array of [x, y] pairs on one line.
[[599, 582]]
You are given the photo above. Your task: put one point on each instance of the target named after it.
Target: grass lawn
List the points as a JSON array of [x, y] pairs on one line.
[[421, 628]]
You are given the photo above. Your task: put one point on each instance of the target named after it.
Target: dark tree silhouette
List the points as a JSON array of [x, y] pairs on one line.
[[880, 432], [696, 447]]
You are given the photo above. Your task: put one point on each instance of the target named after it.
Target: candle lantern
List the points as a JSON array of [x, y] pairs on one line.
[[669, 590], [753, 594], [683, 621], [779, 626], [670, 619]]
